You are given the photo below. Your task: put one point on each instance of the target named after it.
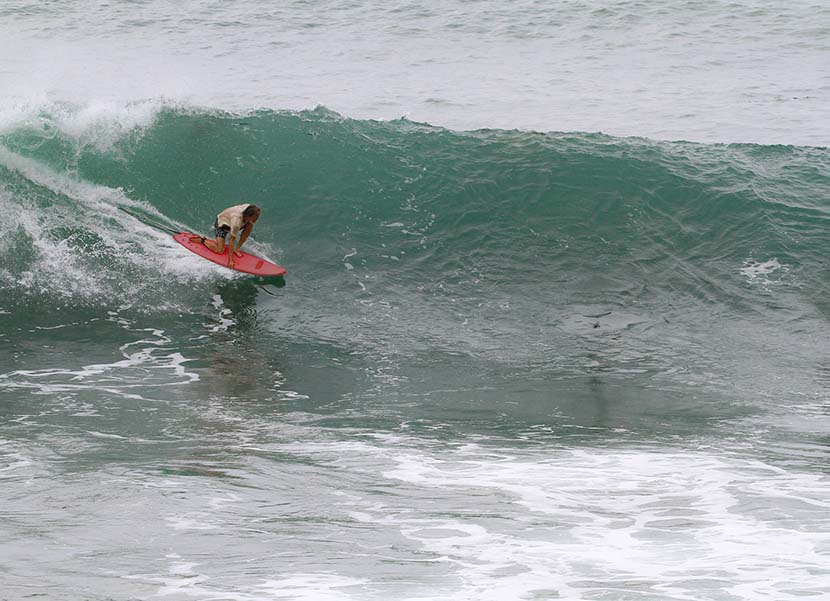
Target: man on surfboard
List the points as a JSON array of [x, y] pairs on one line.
[[231, 221]]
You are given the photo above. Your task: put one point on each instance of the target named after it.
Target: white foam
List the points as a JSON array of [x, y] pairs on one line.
[[223, 317], [759, 272], [594, 521], [190, 521], [310, 587], [60, 268], [100, 123], [147, 363], [56, 262], [103, 123], [96, 434], [11, 462], [183, 580]]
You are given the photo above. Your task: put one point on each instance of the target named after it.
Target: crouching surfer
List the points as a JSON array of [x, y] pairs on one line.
[[233, 220]]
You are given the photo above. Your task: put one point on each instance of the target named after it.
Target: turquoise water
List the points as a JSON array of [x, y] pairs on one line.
[[504, 363]]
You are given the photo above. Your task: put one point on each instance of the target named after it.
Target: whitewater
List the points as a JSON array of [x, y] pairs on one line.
[[554, 326]]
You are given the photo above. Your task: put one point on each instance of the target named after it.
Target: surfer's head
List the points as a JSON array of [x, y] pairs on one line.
[[251, 214]]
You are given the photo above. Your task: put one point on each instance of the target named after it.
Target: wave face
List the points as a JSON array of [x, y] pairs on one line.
[[464, 236]]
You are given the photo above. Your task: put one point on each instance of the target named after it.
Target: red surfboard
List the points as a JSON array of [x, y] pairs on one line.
[[246, 263]]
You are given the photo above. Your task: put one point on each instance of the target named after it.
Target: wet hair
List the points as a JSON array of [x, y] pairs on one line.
[[251, 211]]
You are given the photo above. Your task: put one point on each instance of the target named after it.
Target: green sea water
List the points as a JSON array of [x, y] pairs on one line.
[[502, 365], [531, 344]]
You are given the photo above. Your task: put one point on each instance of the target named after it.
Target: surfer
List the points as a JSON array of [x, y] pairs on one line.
[[231, 221]]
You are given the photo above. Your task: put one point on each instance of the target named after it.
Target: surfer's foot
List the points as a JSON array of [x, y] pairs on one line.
[[199, 239]]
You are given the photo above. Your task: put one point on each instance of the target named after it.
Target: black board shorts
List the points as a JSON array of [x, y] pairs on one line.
[[221, 231]]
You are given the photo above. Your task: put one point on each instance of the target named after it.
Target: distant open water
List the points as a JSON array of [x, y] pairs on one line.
[[713, 71], [513, 357]]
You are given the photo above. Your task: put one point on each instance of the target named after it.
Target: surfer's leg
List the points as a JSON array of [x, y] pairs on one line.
[[217, 246]]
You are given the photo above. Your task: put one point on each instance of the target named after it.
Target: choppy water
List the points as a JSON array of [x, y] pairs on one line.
[[504, 364], [715, 71]]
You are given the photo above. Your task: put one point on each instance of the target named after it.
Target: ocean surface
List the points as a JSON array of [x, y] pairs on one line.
[[555, 323]]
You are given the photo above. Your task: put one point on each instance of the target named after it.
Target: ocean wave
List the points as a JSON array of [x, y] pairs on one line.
[[485, 241]]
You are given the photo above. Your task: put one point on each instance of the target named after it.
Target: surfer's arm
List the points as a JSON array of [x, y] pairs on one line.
[[231, 249], [246, 231]]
